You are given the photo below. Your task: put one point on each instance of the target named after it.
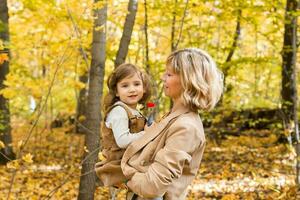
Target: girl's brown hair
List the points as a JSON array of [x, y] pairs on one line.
[[121, 72]]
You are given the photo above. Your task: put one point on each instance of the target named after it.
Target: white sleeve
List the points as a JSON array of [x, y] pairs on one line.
[[117, 120]]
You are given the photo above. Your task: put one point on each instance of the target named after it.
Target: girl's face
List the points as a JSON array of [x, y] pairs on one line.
[[172, 84], [130, 90]]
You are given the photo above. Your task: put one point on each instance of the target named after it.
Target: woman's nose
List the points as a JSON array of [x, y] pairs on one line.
[[163, 77]]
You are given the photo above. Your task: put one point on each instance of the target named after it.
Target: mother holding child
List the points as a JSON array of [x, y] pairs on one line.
[[161, 161]]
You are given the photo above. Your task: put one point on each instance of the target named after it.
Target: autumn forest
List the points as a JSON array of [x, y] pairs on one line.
[[55, 58]]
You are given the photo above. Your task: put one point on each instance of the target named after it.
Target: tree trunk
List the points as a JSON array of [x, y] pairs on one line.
[[288, 89], [92, 138], [288, 83], [146, 38], [126, 36], [81, 105], [6, 153]]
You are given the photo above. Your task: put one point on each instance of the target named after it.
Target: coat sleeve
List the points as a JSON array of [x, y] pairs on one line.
[[168, 163]]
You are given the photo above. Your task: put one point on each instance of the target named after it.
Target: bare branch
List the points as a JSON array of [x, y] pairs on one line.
[[173, 28], [77, 32], [182, 21], [235, 39]]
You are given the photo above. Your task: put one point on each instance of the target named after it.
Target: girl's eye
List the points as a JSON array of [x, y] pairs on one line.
[[124, 86], [137, 84]]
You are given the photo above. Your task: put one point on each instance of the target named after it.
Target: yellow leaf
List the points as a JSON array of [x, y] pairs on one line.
[[86, 149], [11, 79], [79, 85], [36, 92], [8, 93], [28, 158], [20, 143], [13, 164], [3, 58], [2, 145], [99, 5], [1, 45], [81, 118], [35, 88], [99, 28], [274, 189], [101, 157], [230, 197]]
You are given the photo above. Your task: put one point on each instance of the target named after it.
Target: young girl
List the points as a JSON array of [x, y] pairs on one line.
[[123, 123], [166, 159]]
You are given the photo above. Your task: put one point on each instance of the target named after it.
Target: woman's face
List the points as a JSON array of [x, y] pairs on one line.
[[172, 84]]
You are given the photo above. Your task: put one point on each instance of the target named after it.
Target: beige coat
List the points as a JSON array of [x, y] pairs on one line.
[[166, 159]]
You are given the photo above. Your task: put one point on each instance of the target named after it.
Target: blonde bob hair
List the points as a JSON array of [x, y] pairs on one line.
[[201, 80]]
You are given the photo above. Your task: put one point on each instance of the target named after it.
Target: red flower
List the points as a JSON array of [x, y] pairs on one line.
[[150, 105]]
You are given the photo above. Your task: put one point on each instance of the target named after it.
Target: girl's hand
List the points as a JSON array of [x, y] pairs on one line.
[[147, 127], [122, 185]]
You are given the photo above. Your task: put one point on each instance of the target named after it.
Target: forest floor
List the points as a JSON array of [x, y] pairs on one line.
[[250, 166]]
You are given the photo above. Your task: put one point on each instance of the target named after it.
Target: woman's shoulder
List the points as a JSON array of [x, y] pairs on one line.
[[190, 121], [188, 125]]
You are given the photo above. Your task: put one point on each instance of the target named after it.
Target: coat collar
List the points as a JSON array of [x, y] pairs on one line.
[[152, 132]]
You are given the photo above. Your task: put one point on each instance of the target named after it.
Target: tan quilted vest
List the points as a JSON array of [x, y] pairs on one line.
[[109, 170]]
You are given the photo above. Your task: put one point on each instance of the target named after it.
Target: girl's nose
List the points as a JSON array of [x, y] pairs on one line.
[[132, 89]]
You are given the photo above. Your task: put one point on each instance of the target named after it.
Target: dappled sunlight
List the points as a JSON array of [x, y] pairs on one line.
[[244, 184], [46, 168]]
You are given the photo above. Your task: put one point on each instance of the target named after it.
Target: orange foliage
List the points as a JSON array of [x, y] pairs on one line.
[[3, 58]]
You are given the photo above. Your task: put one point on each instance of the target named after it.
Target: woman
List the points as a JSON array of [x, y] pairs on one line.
[[166, 159]]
